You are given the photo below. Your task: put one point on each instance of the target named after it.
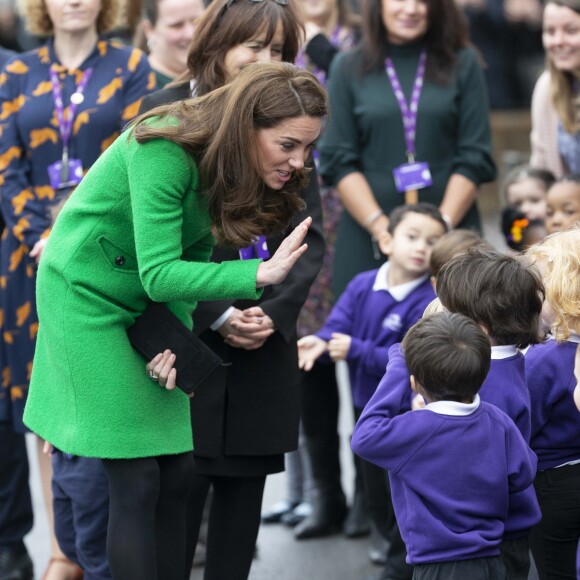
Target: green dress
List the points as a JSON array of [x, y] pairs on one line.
[[135, 230], [365, 133]]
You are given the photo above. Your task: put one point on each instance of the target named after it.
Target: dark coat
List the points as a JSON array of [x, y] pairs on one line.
[[251, 407]]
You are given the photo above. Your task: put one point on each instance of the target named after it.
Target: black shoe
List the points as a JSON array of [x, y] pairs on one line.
[[275, 513], [299, 513], [326, 519], [357, 523], [15, 565], [379, 547]]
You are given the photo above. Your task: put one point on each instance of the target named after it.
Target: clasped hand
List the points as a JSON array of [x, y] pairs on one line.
[[248, 329]]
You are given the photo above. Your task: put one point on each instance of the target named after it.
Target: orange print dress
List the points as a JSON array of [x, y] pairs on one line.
[[30, 141]]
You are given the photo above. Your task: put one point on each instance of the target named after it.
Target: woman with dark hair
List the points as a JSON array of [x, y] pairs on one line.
[[414, 68], [245, 416], [141, 228], [409, 121]]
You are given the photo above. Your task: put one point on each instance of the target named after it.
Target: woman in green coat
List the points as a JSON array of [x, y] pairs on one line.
[[141, 228]]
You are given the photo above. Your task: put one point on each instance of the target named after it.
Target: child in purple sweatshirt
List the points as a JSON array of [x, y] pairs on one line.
[[459, 466], [374, 312], [553, 374]]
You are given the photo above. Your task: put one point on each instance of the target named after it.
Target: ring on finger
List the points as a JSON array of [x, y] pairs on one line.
[[153, 375]]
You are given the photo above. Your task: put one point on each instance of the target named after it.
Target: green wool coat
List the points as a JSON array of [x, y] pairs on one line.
[[134, 230]]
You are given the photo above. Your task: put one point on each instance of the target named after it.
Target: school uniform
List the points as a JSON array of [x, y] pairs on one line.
[[446, 518], [377, 316], [555, 437], [505, 387]]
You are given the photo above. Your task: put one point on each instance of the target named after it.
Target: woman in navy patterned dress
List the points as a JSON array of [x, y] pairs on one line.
[[78, 90]]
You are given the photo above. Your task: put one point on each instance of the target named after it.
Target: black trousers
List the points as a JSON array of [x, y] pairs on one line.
[[234, 522], [15, 504], [475, 569], [515, 555], [554, 540], [147, 516]]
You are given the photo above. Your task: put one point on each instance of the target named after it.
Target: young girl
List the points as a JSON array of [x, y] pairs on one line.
[[525, 188], [555, 436], [563, 204]]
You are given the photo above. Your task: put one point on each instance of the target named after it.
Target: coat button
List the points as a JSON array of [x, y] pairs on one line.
[[120, 260]]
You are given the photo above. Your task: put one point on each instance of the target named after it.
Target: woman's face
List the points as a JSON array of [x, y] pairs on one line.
[[404, 20], [318, 11], [529, 196], [563, 206], [73, 16], [254, 50], [171, 36], [561, 37], [283, 149]]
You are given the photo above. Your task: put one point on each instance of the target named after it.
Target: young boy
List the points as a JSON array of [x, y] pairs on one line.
[[456, 467], [373, 313], [505, 297], [379, 306]]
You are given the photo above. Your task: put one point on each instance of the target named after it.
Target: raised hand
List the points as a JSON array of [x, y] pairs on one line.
[[275, 270]]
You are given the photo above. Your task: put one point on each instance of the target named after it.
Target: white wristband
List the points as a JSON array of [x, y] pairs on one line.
[[372, 218], [447, 221]]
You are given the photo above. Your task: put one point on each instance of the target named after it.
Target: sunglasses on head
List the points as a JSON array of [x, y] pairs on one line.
[[230, 3]]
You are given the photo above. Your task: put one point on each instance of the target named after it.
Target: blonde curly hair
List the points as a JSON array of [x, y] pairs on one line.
[[38, 21], [559, 257]]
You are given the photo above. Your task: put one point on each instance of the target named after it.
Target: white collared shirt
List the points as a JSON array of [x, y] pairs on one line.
[[453, 407], [503, 351], [399, 292]]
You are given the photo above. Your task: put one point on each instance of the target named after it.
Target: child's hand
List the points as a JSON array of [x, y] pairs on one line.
[[309, 349], [338, 346], [48, 448], [418, 402]]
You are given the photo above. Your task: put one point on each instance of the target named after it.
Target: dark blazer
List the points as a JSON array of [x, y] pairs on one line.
[[251, 407]]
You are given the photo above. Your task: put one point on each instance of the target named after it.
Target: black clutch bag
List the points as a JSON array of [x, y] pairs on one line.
[[158, 329]]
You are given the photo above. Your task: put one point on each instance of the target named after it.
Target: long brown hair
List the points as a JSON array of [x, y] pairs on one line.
[[566, 102], [226, 24], [219, 130], [446, 34]]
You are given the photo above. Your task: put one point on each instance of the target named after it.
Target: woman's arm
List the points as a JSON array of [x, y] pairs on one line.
[[473, 163], [460, 194], [23, 208], [140, 81], [357, 197]]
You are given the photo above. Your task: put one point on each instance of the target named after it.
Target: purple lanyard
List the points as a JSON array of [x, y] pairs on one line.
[[65, 125], [409, 113]]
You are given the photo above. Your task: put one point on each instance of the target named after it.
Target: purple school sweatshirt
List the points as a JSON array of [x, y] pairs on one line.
[[555, 420], [374, 320], [455, 474], [505, 387]]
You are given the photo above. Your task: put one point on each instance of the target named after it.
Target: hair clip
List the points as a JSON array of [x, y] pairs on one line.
[[517, 229]]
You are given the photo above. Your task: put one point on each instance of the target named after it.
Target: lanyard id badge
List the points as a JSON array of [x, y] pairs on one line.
[[413, 175], [259, 249], [67, 172]]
